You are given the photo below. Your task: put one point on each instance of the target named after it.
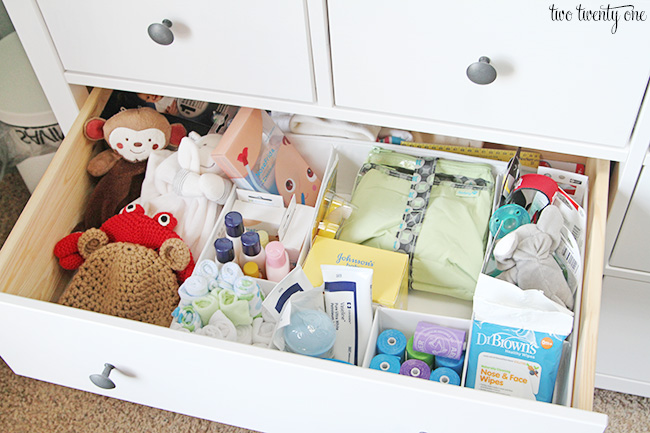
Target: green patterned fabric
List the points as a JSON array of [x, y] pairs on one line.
[[449, 242]]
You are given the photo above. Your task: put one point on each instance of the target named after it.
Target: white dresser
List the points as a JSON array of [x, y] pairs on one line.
[[568, 87]]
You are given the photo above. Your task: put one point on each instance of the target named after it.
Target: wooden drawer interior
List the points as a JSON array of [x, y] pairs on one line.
[[30, 269]]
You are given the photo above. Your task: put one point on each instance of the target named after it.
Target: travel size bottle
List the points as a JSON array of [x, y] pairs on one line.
[[252, 251], [277, 261], [225, 250], [251, 270], [234, 230]]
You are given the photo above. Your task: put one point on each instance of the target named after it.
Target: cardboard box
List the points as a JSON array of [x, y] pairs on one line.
[[256, 155], [390, 269]]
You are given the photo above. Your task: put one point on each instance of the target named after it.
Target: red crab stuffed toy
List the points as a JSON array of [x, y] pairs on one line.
[[131, 225]]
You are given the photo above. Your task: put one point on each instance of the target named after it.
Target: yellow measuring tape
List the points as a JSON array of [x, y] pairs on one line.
[[529, 159]]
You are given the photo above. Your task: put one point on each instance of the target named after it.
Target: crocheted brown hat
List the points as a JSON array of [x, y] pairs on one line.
[[127, 280]]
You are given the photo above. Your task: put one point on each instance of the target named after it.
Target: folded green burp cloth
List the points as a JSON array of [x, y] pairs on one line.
[[234, 309], [206, 306]]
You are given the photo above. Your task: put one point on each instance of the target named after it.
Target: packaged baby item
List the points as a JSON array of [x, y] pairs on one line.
[[516, 340], [435, 210], [296, 281], [348, 303], [302, 325], [257, 156], [390, 269]]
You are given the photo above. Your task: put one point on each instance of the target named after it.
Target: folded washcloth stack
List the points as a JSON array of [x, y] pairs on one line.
[[224, 304], [219, 327], [228, 275], [193, 288], [208, 269]]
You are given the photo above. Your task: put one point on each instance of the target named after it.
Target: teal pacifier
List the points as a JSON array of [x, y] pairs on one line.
[[507, 218]]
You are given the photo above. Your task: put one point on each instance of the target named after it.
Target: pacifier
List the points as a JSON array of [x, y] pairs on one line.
[[508, 218]]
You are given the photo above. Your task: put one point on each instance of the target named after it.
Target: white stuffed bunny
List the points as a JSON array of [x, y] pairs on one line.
[[199, 174], [190, 185], [526, 257]]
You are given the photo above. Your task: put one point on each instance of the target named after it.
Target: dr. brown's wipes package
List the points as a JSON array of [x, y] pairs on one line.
[[517, 340], [256, 155]]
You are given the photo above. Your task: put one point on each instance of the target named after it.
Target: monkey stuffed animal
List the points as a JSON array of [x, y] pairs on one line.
[[132, 134]]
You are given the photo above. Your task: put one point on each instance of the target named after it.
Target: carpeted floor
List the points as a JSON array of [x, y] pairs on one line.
[[32, 406]]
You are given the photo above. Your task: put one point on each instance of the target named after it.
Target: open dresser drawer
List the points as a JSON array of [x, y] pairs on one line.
[[237, 384]]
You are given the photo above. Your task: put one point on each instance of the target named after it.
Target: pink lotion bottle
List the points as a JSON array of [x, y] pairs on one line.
[[277, 261]]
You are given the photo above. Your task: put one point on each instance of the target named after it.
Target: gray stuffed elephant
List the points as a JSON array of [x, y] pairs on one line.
[[526, 257]]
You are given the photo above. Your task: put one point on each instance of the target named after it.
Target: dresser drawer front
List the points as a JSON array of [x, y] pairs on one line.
[[215, 379], [588, 93], [233, 47]]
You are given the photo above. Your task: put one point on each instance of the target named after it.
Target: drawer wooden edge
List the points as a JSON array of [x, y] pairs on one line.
[[584, 381], [27, 263]]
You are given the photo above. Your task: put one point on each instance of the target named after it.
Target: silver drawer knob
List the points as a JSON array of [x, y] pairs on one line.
[[161, 32], [102, 380], [482, 72]]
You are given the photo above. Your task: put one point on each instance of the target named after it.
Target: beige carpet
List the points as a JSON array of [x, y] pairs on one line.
[[31, 406]]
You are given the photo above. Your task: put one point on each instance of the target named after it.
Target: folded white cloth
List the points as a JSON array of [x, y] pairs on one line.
[[219, 327], [207, 268], [245, 334], [262, 331], [309, 125], [193, 288]]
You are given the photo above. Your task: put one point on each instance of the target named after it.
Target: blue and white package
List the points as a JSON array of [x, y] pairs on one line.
[[516, 341], [348, 301]]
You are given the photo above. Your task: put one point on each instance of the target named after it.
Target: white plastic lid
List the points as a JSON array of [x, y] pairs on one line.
[[22, 101]]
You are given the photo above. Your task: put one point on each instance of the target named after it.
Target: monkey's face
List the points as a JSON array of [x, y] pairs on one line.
[[135, 145]]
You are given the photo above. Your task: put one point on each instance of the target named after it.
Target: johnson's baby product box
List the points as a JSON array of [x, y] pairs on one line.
[[256, 155], [390, 269]]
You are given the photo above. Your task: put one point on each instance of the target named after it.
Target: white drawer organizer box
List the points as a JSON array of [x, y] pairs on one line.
[[578, 91]]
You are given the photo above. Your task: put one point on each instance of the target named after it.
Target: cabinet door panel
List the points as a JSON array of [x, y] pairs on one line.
[[573, 80], [631, 248], [253, 47], [622, 358]]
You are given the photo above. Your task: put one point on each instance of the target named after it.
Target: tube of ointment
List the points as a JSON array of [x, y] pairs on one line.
[[348, 302], [295, 281]]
